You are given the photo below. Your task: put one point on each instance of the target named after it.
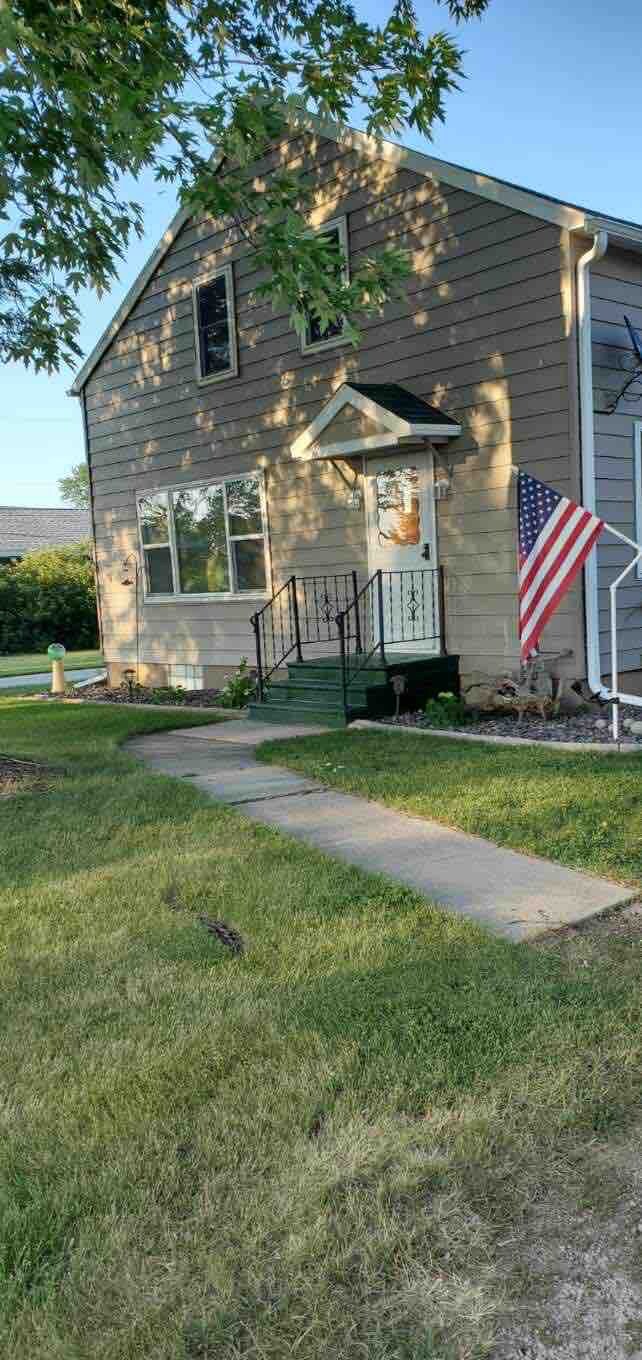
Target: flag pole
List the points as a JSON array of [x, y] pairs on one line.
[[615, 696]]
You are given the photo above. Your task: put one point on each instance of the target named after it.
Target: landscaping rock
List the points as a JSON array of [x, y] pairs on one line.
[[578, 727]]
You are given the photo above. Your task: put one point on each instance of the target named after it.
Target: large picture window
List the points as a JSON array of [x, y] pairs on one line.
[[216, 355], [316, 335], [205, 540]]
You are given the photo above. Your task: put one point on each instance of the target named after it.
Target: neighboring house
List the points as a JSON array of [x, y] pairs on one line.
[[25, 529], [227, 456]]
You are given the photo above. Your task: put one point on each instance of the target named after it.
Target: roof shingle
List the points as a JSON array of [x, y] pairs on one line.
[[25, 528]]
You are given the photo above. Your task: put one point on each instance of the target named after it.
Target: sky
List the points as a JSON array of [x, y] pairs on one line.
[[551, 101]]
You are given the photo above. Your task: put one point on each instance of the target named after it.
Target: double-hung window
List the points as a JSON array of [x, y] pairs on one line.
[[318, 336], [212, 538], [214, 323]]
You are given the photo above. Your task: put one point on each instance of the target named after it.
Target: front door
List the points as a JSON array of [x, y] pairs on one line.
[[402, 543]]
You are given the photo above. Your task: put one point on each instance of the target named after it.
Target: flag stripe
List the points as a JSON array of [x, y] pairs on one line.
[[573, 523], [563, 568], [535, 630], [555, 538], [557, 522], [555, 561]]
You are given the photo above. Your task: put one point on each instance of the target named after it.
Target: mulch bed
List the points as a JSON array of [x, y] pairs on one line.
[[16, 776], [187, 698], [584, 727]]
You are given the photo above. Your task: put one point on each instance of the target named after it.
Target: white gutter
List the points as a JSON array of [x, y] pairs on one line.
[[587, 441]]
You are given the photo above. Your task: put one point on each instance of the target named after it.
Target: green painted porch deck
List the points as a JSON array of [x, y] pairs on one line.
[[312, 690]]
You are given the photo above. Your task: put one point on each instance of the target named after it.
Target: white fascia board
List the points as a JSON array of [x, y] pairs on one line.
[[624, 234], [472, 181], [347, 396], [346, 447]]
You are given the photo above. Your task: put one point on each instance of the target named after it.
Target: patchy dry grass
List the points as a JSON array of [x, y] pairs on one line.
[[315, 1148]]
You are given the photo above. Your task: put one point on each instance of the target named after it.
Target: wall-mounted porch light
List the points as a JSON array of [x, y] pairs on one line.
[[354, 499]]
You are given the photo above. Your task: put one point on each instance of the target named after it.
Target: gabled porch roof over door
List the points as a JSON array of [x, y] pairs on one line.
[[364, 417]]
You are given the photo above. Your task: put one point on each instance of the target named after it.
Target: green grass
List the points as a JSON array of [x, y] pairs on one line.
[[313, 1150], [33, 663], [582, 810]]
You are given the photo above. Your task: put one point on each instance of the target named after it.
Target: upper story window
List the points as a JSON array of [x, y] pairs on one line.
[[216, 352], [202, 540], [316, 336]]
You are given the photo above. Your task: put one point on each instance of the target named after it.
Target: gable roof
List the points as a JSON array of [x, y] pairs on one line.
[[399, 412], [25, 528], [565, 215], [400, 402]]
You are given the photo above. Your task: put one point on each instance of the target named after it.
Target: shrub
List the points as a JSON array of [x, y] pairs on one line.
[[239, 688], [447, 710], [49, 596]]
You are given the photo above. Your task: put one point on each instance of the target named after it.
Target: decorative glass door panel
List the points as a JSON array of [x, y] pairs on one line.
[[402, 544]]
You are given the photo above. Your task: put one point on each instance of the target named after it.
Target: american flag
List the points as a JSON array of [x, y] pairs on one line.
[[555, 538]]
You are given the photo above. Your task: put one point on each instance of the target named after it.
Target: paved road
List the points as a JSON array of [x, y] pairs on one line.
[[513, 894], [44, 678]]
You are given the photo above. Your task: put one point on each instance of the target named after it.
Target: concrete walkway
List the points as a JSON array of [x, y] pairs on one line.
[[514, 894], [44, 678]]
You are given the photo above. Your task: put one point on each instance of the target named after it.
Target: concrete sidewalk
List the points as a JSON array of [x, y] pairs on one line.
[[516, 895]]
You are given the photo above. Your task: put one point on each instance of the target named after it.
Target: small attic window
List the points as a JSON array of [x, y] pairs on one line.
[[317, 337], [214, 323]]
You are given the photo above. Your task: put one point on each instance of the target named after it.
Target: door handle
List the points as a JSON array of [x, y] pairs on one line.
[[425, 553]]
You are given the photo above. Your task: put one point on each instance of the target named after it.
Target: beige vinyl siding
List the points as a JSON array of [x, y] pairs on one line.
[[482, 332], [616, 289]]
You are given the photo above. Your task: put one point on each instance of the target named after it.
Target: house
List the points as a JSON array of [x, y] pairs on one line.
[[240, 473], [25, 529]]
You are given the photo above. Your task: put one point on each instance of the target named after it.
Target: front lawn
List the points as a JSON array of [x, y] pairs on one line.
[[582, 810], [317, 1148], [32, 663]]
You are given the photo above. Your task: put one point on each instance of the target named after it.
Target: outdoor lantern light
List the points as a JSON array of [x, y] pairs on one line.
[[355, 499], [129, 570], [129, 576]]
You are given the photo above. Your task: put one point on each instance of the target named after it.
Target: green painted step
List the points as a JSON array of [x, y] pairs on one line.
[[313, 690]]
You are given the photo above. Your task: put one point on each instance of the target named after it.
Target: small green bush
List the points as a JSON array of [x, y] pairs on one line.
[[447, 710], [49, 596], [239, 689]]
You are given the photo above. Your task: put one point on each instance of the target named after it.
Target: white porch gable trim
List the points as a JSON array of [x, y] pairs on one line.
[[394, 427]]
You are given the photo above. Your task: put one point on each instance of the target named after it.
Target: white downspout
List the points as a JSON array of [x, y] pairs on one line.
[[587, 442]]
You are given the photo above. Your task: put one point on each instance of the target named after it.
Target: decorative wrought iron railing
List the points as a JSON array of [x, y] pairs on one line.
[[392, 607], [302, 612]]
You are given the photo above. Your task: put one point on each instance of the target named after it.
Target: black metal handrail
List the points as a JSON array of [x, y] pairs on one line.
[[277, 633], [393, 607], [361, 632], [301, 613], [403, 606]]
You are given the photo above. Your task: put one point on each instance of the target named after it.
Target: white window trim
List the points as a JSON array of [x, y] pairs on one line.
[[340, 224], [226, 271], [187, 597], [637, 487]]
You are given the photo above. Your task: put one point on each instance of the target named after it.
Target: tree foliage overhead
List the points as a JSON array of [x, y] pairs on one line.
[[94, 92], [74, 488]]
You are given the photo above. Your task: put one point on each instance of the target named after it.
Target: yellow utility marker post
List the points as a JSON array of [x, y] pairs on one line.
[[56, 654]]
